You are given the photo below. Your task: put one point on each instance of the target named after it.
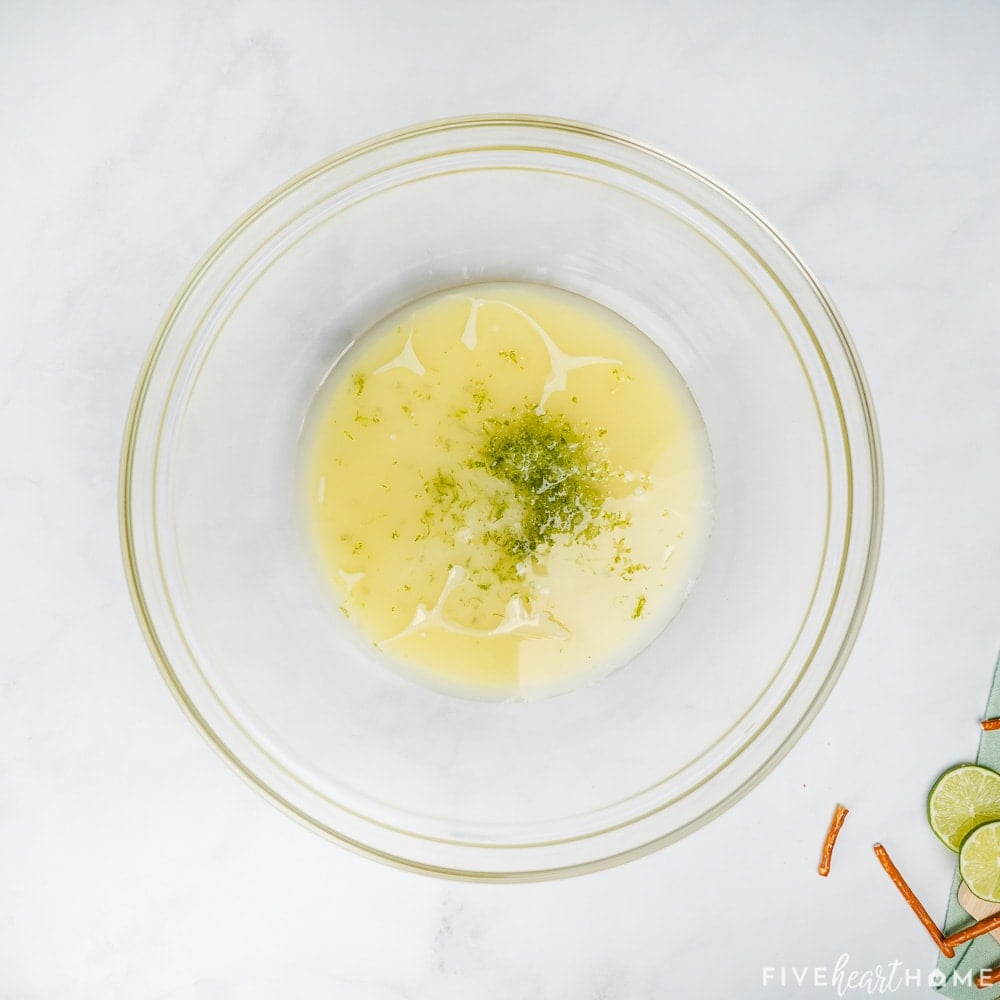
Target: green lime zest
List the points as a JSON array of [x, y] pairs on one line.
[[558, 485]]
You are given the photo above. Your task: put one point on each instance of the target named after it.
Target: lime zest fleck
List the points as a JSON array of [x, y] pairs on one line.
[[512, 357], [480, 395]]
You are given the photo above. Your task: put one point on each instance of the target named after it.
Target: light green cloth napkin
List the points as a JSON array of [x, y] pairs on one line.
[[983, 952]]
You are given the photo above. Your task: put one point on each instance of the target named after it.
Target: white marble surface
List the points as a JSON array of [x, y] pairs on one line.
[[133, 863]]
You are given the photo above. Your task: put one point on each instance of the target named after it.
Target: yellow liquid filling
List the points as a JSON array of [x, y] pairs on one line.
[[508, 487]]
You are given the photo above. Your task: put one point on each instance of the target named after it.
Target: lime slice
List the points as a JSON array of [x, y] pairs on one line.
[[979, 861], [963, 798]]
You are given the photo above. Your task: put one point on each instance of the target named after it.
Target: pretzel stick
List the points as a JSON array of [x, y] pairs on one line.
[[840, 814], [918, 908], [980, 927], [985, 979]]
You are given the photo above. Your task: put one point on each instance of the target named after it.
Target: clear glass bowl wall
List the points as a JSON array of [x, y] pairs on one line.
[[250, 642]]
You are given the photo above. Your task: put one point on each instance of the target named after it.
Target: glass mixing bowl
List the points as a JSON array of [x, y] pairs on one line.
[[244, 632]]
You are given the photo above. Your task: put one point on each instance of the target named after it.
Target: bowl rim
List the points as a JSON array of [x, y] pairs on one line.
[[387, 139]]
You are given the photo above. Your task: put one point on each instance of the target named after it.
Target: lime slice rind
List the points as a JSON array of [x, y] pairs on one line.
[[962, 799]]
